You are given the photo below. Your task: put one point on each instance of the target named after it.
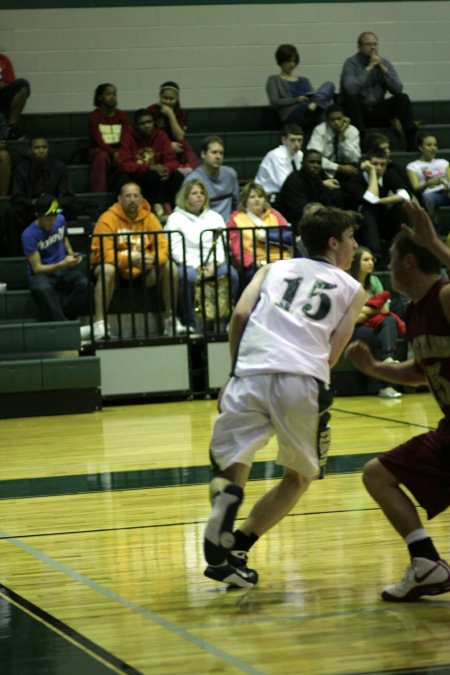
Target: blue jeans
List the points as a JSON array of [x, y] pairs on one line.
[[60, 296], [433, 201], [323, 97], [186, 311]]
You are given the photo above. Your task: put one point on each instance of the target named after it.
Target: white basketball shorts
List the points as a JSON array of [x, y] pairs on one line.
[[254, 408]]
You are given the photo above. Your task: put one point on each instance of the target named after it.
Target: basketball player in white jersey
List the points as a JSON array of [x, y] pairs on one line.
[[288, 329]]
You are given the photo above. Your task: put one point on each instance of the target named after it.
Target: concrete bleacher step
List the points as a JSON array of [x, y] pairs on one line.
[[42, 373], [39, 337], [207, 120], [49, 386]]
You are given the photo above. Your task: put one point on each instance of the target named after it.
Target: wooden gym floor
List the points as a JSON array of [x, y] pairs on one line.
[[101, 520]]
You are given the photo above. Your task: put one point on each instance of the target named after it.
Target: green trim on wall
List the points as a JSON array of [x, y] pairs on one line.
[[79, 4]]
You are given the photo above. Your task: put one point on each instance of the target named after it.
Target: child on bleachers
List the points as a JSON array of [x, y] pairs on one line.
[[430, 177], [170, 116], [106, 124]]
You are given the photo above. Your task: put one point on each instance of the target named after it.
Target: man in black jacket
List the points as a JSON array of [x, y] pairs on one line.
[[305, 186], [35, 176], [379, 194]]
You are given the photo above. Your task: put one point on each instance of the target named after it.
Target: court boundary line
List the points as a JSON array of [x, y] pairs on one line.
[[62, 629], [153, 617], [383, 418]]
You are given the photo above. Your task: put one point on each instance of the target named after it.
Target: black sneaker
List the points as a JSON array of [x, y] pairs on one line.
[[236, 577], [238, 560], [219, 537]]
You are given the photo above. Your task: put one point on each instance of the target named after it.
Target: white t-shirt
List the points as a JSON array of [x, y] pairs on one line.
[[302, 301], [426, 170]]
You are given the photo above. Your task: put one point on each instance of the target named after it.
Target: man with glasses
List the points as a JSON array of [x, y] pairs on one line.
[[366, 78]]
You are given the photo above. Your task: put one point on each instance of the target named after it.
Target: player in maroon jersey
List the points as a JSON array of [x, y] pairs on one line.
[[422, 464]]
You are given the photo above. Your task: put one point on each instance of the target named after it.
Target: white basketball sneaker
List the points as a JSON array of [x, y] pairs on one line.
[[423, 577]]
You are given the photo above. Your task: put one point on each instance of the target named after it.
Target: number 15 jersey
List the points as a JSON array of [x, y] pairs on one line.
[[301, 303]]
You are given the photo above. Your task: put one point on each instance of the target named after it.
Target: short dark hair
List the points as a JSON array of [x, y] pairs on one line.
[[99, 92], [334, 107], [310, 151], [427, 261], [376, 152], [317, 226], [287, 53], [375, 139], [142, 112], [209, 140], [36, 138], [294, 129]]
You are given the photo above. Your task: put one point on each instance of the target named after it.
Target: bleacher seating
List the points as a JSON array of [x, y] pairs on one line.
[[41, 370], [41, 373]]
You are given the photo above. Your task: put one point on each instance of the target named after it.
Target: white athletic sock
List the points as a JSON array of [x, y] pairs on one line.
[[416, 535]]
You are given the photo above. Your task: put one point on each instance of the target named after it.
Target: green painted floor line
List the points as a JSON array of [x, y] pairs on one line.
[[19, 488]]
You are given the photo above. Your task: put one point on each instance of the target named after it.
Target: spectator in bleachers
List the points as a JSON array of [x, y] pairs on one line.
[[172, 118], [221, 182], [379, 140], [137, 255], [256, 245], [430, 176], [365, 79], [60, 290], [5, 159], [192, 216], [34, 176], [146, 157], [281, 161], [106, 125], [376, 325], [307, 185], [294, 97], [13, 96], [338, 142], [378, 194]]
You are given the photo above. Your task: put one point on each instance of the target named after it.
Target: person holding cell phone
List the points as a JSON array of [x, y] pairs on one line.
[[294, 98], [60, 290]]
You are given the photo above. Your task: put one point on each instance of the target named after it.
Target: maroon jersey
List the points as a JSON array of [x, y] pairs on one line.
[[428, 331]]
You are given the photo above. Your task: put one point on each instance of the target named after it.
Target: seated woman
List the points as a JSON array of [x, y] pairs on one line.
[[106, 124], [293, 97], [376, 324], [191, 217], [430, 177], [170, 117], [256, 245]]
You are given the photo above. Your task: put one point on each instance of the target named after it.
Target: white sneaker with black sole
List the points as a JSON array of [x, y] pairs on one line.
[[423, 577]]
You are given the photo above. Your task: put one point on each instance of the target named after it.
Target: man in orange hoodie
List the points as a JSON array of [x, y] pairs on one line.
[[133, 253]]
